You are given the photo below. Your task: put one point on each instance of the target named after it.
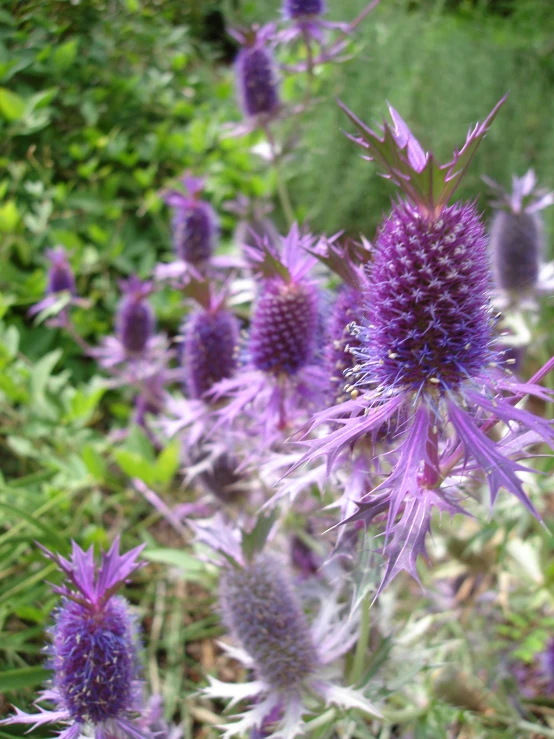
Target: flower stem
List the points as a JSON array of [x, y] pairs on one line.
[[361, 646], [281, 186]]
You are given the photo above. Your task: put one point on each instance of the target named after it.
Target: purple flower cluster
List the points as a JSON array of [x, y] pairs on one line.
[[94, 654]]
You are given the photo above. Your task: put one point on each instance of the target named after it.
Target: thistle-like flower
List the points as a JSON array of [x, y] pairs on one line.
[[256, 74], [209, 348], [295, 9], [94, 651], [135, 356], [427, 363], [135, 322], [281, 376], [194, 231], [517, 235], [290, 658], [60, 279]]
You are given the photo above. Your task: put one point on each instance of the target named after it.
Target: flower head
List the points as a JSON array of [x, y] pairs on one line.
[[209, 349], [289, 656], [135, 320], [517, 233], [94, 652], [60, 274], [282, 375], [427, 365], [256, 74], [194, 222], [295, 9]]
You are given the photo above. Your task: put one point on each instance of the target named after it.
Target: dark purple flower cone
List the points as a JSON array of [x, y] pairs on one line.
[[262, 611], [516, 245], [94, 659], [194, 231], [135, 323], [60, 277], [348, 309], [223, 480], [209, 351], [302, 8], [282, 337], [257, 81], [428, 319]]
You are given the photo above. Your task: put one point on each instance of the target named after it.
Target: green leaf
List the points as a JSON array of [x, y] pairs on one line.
[[134, 465], [22, 677], [65, 54], [9, 216], [12, 106], [168, 462], [191, 566]]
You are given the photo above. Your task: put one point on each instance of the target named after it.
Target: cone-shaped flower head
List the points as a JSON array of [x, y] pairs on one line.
[[194, 223], [264, 614], [60, 274], [517, 232], [426, 351], [348, 310], [94, 652], [294, 9], [285, 319], [209, 350], [135, 321], [261, 610], [256, 72]]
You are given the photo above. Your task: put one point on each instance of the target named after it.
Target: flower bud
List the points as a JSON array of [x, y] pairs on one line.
[[262, 611], [135, 321], [517, 245], [282, 337], [301, 8], [209, 349], [257, 81], [60, 274]]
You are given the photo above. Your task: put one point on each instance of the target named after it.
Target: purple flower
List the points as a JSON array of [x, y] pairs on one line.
[[289, 657], [60, 274], [194, 222], [517, 233], [301, 8], [427, 365], [94, 651], [209, 349], [348, 310], [282, 376], [135, 322], [60, 279], [548, 665], [256, 74]]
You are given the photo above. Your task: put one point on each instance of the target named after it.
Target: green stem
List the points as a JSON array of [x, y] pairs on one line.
[[281, 186], [361, 647]]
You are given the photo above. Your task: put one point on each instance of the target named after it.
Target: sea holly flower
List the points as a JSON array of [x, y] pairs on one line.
[[195, 229], [281, 377], [304, 22], [135, 355], [290, 657], [517, 236], [427, 362], [94, 652], [256, 74], [60, 283]]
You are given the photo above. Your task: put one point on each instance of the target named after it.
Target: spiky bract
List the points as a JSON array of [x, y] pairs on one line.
[[94, 659], [282, 338], [257, 80], [428, 313], [135, 318], [209, 349], [261, 609]]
